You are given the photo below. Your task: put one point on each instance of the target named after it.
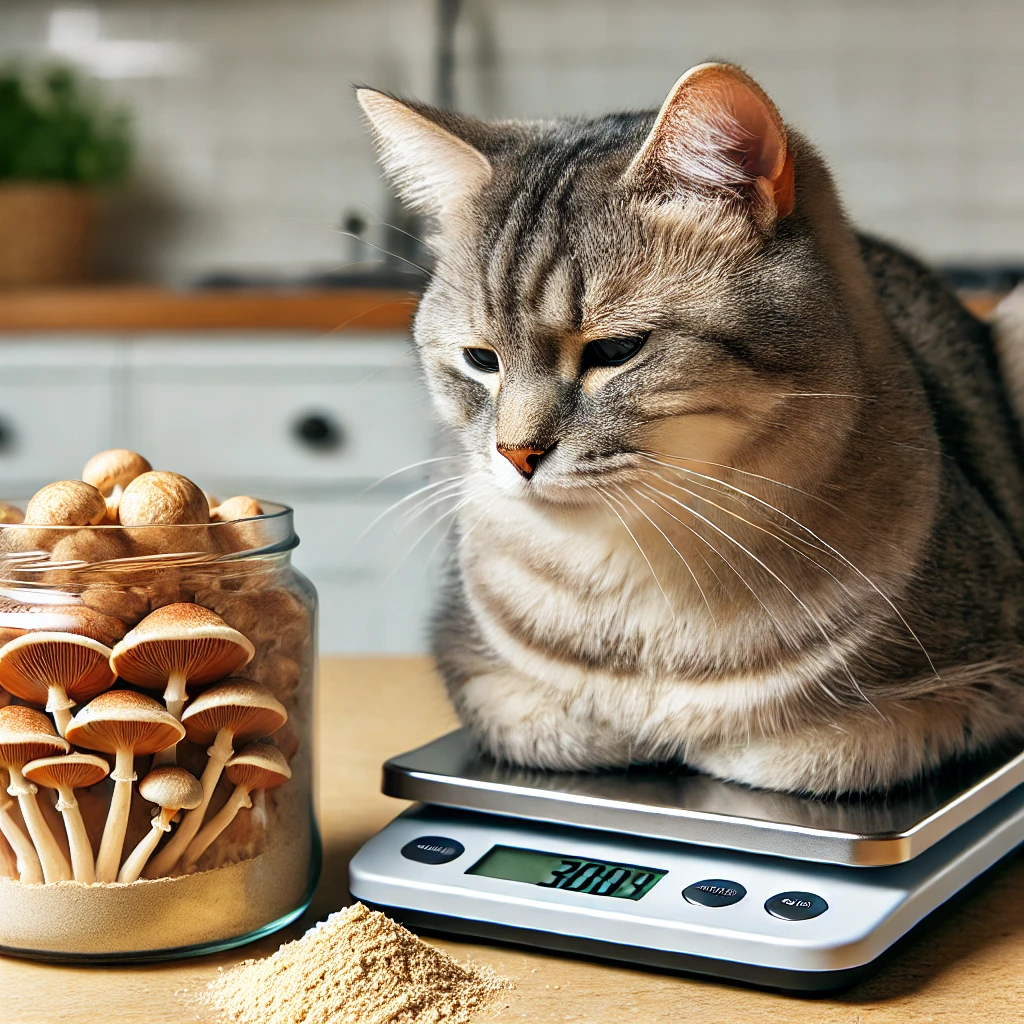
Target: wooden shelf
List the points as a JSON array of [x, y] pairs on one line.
[[157, 309]]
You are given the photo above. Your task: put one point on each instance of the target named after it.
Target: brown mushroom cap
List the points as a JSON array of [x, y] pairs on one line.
[[66, 503], [122, 719], [258, 766], [61, 618], [33, 663], [162, 499], [10, 514], [74, 770], [240, 705], [90, 546], [180, 637], [26, 734], [173, 787], [238, 507], [116, 467]]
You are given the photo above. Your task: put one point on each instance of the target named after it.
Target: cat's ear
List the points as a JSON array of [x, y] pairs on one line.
[[718, 131], [432, 168]]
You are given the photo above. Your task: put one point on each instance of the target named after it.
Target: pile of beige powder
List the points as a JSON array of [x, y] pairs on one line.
[[357, 967]]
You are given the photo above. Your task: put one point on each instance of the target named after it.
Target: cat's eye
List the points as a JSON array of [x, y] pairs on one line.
[[612, 351], [481, 359]]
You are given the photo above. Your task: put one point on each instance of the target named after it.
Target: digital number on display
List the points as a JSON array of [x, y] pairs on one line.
[[574, 874]]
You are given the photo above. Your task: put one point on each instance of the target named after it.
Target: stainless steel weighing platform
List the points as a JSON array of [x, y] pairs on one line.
[[673, 869]]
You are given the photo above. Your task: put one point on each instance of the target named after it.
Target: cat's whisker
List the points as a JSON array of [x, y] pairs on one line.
[[398, 504], [814, 619], [639, 548], [419, 540], [742, 472], [682, 557], [769, 533], [406, 469], [427, 502], [824, 543]]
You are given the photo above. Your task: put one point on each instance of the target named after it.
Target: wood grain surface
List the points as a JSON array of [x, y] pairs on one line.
[[969, 967], [162, 309]]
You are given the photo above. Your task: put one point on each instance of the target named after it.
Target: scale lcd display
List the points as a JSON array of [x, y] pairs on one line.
[[575, 874]]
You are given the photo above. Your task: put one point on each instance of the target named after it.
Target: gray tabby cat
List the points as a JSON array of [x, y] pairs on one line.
[[739, 487]]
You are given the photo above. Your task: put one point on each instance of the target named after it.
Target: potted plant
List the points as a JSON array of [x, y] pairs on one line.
[[59, 143]]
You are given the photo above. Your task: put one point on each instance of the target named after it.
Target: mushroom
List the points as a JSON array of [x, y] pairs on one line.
[[56, 670], [64, 503], [158, 499], [10, 515], [24, 852], [235, 711], [91, 546], [258, 766], [172, 790], [110, 472], [177, 645], [125, 724], [66, 774], [239, 507], [26, 734]]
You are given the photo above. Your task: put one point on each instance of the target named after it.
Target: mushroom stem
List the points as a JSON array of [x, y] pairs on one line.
[[136, 861], [29, 869], [78, 838], [219, 753], [220, 821], [8, 861], [54, 864], [59, 705], [112, 843], [174, 698]]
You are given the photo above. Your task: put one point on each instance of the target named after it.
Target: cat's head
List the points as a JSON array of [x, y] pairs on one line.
[[643, 285]]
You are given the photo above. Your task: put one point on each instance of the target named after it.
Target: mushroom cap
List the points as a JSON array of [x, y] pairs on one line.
[[162, 499], [238, 507], [116, 467], [180, 637], [74, 770], [66, 503], [10, 514], [172, 787], [258, 766], [60, 618], [246, 708], [90, 546], [26, 734], [122, 719], [31, 663]]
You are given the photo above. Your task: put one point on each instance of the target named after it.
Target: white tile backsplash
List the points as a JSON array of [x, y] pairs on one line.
[[251, 157]]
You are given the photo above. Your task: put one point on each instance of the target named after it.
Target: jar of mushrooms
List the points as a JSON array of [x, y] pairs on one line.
[[157, 669]]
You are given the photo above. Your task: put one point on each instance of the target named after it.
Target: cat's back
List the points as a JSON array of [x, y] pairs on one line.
[[956, 362]]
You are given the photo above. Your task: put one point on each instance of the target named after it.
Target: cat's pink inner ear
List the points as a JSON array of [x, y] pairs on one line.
[[718, 129]]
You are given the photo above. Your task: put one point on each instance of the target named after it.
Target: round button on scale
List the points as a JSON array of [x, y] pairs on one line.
[[796, 906], [433, 850], [714, 892]]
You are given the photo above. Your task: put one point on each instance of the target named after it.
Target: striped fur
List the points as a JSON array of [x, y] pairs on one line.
[[783, 543]]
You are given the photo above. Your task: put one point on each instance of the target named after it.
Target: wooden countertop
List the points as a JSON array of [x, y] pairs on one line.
[[970, 966], [160, 309]]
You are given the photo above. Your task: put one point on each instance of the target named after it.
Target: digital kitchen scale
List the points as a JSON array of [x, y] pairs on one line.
[[673, 869]]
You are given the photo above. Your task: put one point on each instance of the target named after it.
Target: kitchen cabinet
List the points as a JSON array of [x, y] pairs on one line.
[[294, 416]]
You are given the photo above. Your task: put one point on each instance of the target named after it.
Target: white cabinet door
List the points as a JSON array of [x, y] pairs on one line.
[[58, 407], [249, 412]]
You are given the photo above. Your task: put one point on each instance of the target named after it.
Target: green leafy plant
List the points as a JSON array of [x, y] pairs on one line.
[[53, 128]]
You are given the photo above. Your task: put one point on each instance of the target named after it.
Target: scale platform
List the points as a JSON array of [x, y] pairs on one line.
[[672, 869]]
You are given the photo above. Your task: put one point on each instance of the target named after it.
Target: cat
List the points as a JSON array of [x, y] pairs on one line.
[[739, 487]]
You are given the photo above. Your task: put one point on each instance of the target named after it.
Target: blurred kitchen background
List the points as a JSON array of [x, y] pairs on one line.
[[238, 322]]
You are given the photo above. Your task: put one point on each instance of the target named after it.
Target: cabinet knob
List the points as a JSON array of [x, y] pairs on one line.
[[319, 432], [7, 435]]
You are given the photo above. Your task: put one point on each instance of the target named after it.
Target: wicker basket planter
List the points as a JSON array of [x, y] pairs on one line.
[[45, 233]]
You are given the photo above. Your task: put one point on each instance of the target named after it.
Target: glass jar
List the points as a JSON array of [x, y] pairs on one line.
[[116, 643]]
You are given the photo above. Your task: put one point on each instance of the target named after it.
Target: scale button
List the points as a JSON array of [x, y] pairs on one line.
[[433, 850], [796, 906], [714, 892]]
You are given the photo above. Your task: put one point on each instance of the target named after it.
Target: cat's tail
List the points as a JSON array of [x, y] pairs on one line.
[[1008, 338]]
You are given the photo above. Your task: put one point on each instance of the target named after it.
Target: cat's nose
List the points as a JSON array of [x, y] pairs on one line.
[[524, 459]]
